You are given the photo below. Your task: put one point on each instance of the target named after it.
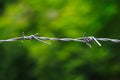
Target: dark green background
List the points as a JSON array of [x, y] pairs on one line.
[[32, 60]]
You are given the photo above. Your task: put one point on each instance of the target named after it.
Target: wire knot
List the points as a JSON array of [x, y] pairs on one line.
[[87, 40], [35, 36]]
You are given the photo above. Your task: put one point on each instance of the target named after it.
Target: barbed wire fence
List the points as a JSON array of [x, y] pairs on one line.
[[83, 39]]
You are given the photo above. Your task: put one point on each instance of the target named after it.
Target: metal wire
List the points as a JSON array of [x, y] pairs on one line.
[[86, 40]]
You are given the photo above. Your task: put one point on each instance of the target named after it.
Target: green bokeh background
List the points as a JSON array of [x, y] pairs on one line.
[[32, 60]]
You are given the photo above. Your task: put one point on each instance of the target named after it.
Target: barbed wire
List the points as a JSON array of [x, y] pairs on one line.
[[86, 40]]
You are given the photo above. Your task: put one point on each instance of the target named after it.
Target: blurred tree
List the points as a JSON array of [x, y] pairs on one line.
[[62, 60]]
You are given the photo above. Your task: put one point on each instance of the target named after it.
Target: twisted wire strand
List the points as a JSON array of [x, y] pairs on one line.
[[108, 39], [86, 40]]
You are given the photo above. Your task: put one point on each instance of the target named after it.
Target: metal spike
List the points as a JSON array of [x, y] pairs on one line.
[[40, 40], [96, 41]]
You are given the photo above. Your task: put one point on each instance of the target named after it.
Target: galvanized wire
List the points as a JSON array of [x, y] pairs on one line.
[[86, 40]]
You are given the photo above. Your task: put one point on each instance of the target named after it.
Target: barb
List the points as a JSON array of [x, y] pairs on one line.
[[83, 39]]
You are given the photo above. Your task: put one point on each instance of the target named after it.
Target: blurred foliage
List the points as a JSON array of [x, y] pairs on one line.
[[33, 60]]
